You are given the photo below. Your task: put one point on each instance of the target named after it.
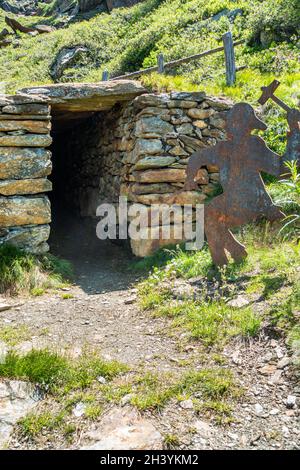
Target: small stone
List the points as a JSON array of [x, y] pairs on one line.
[[126, 399], [276, 377], [130, 301], [284, 362], [196, 113], [258, 409], [268, 369], [123, 429], [202, 428], [268, 357], [285, 431], [187, 404], [186, 129], [200, 124], [279, 353], [291, 401], [233, 436]]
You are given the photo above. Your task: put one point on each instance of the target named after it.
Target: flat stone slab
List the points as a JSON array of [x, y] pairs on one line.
[[82, 97]]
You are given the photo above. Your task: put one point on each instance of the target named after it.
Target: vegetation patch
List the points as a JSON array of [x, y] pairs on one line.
[[214, 322], [269, 273], [33, 424], [151, 391]]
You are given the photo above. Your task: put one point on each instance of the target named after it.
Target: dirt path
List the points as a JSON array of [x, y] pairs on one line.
[[101, 312]]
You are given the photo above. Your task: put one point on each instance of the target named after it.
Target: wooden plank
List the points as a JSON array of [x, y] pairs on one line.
[[229, 58], [105, 76], [175, 63]]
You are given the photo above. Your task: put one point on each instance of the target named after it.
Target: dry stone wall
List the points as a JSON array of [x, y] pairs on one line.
[[24, 166], [139, 149]]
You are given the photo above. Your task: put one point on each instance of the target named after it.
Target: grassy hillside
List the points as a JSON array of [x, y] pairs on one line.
[[130, 38]]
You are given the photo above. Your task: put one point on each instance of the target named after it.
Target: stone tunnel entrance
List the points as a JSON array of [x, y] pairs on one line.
[[86, 163], [108, 139], [86, 172]]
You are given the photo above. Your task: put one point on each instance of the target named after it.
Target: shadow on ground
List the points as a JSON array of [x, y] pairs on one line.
[[99, 265]]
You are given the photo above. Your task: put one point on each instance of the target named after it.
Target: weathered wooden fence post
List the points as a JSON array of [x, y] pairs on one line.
[[104, 75], [229, 58], [160, 63]]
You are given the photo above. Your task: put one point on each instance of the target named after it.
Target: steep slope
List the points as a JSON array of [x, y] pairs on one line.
[[128, 39]]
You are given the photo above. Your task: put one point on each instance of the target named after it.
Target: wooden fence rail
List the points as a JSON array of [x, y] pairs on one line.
[[161, 67]]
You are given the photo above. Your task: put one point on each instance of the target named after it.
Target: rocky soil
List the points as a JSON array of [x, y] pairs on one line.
[[102, 312]]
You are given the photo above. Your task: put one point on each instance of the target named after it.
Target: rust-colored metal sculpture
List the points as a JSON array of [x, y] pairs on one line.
[[241, 159]]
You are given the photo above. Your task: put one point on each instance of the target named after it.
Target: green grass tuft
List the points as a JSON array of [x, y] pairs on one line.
[[57, 373]]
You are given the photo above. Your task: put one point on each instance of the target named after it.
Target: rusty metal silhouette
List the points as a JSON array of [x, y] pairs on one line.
[[241, 159]]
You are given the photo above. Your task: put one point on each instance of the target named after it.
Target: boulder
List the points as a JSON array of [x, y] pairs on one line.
[[24, 211], [32, 238], [152, 100], [66, 57], [19, 163], [27, 140], [123, 429], [17, 399]]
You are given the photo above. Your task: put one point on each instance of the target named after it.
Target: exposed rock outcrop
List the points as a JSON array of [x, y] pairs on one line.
[[66, 57]]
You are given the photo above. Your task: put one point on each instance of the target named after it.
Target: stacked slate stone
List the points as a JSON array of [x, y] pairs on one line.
[[24, 166], [162, 132]]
